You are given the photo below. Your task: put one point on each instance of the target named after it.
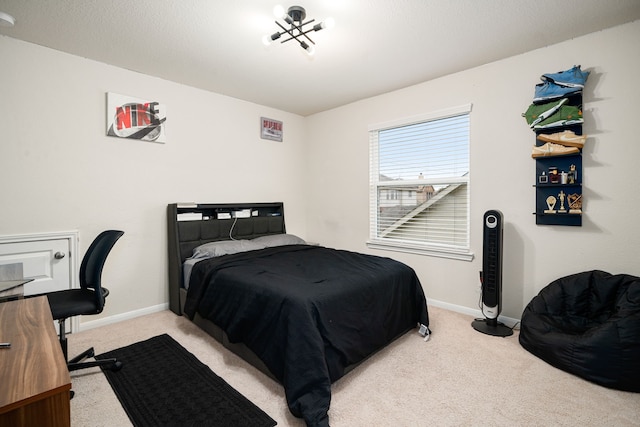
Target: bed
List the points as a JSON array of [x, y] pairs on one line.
[[303, 314]]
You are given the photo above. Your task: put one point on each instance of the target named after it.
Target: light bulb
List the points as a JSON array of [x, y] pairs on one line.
[[6, 20], [278, 11], [329, 23]]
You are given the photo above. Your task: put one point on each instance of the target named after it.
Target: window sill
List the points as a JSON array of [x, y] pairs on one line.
[[450, 253]]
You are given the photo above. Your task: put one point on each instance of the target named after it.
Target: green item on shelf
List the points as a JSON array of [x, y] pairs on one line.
[[536, 113], [566, 115]]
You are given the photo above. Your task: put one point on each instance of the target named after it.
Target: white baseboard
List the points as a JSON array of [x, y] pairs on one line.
[[161, 307], [123, 316], [508, 321]]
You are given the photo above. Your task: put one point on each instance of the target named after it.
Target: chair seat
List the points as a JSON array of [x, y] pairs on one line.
[[74, 302]]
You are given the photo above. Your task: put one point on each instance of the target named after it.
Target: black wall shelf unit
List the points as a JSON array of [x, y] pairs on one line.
[[565, 191]]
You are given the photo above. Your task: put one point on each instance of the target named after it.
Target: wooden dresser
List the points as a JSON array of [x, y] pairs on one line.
[[35, 382]]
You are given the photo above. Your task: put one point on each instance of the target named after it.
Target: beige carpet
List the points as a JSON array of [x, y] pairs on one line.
[[459, 378]]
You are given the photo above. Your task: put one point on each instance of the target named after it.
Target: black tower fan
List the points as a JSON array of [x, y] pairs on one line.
[[491, 277]]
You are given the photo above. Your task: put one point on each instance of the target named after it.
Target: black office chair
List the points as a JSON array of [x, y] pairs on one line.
[[89, 299]]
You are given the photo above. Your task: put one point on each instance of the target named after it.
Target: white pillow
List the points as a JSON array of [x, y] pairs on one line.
[[225, 247], [279, 240]]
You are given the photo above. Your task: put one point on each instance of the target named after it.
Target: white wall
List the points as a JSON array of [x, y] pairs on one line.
[[60, 172], [502, 171]]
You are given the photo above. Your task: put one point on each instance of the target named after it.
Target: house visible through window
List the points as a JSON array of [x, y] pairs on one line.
[[419, 184]]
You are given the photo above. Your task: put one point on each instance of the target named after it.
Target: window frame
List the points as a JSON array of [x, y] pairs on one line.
[[423, 248]]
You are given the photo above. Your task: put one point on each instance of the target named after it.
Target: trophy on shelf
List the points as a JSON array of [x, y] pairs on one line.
[[561, 196], [551, 204], [575, 203]]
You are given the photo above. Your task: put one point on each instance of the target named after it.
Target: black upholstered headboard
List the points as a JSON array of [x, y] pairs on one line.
[[191, 225]]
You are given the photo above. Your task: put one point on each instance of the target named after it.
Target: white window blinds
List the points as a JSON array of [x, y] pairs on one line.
[[419, 184]]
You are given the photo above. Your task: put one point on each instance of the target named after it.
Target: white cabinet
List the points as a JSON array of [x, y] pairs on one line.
[[47, 258]]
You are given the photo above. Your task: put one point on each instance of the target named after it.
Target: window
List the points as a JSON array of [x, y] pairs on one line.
[[419, 184]]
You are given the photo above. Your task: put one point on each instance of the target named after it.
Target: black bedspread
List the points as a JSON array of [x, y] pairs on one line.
[[308, 312]]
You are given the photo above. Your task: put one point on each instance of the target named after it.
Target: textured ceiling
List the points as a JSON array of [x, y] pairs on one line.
[[376, 46]]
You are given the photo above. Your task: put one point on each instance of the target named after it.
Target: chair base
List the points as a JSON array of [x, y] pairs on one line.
[[76, 363]]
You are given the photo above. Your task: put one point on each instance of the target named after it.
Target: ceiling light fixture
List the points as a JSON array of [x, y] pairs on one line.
[[294, 17], [6, 20]]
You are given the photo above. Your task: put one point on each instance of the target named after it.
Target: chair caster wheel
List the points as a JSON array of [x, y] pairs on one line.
[[91, 352], [116, 366]]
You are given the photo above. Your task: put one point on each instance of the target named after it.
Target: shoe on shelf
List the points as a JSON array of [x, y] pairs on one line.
[[566, 115], [574, 77], [539, 112], [550, 149], [567, 138], [548, 91]]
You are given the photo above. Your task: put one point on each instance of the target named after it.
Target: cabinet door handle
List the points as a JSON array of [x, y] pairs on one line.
[[59, 255]]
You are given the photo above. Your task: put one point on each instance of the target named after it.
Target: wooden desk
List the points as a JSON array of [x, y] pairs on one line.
[[35, 380]]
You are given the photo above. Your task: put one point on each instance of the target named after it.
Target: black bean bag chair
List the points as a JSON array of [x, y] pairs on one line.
[[588, 324]]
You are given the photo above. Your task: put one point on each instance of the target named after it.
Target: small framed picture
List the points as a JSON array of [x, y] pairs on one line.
[[270, 129], [133, 118]]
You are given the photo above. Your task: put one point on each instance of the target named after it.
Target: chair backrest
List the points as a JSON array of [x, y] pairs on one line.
[[93, 262]]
